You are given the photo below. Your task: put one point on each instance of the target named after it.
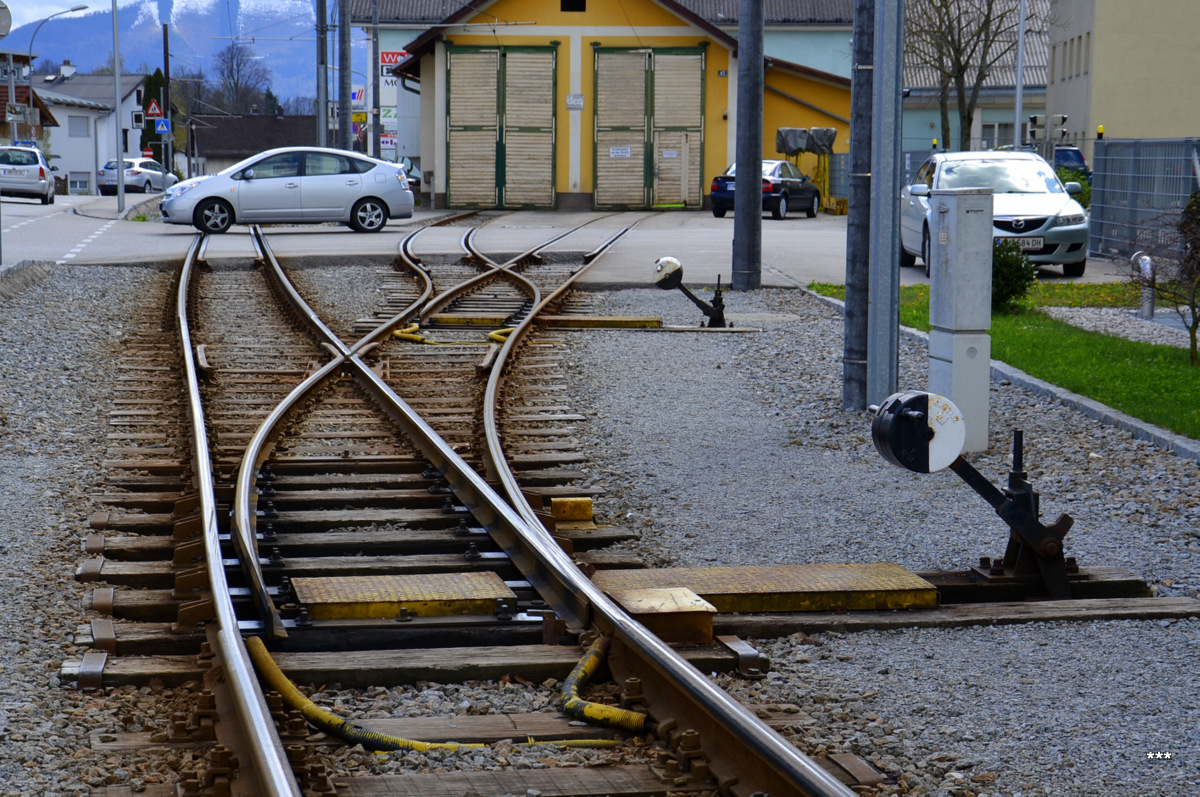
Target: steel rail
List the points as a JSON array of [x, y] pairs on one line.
[[579, 603], [794, 769], [467, 242], [261, 444], [265, 752]]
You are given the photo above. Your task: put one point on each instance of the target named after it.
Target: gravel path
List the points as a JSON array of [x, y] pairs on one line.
[[732, 449], [721, 449]]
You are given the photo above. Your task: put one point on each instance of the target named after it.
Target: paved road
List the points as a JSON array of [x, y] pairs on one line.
[[795, 251]]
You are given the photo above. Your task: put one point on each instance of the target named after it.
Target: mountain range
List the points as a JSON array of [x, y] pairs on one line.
[[280, 32]]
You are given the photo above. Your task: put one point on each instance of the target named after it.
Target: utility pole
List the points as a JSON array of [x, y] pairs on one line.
[[345, 115], [169, 139], [375, 118], [1020, 77], [858, 222], [322, 74], [747, 214], [883, 314]]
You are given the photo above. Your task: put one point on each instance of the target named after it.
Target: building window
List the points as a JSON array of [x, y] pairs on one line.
[[1053, 61], [77, 126], [574, 5], [1078, 55], [79, 183], [996, 134], [1087, 52]]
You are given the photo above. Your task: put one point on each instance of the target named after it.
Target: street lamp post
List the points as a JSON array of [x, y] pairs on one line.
[[29, 115]]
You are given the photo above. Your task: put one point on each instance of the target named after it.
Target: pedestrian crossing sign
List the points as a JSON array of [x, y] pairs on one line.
[[162, 126]]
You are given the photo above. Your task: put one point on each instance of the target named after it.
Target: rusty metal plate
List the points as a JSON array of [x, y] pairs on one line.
[[786, 588], [427, 595]]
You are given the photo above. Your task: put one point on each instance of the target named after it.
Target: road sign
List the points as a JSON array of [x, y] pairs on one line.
[[162, 125], [147, 153], [153, 110]]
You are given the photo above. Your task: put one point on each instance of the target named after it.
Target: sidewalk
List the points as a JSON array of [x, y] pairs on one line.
[[105, 207]]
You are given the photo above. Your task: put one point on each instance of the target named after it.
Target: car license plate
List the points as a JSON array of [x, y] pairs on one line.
[[1024, 243]]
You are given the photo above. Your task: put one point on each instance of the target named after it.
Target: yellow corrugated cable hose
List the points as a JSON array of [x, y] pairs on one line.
[[500, 335], [577, 708], [409, 333], [353, 733]]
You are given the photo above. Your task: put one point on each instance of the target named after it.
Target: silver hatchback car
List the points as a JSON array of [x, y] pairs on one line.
[[293, 185], [1029, 205], [141, 175], [24, 172]]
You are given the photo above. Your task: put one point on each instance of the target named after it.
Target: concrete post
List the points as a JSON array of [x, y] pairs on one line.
[[960, 304]]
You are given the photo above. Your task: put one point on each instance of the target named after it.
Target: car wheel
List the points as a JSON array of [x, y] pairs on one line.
[[213, 216], [925, 249], [368, 215], [906, 260], [719, 212], [780, 211], [814, 207], [1074, 269], [147, 188], [47, 198]]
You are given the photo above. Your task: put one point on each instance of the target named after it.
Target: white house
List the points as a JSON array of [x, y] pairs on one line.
[[86, 136]]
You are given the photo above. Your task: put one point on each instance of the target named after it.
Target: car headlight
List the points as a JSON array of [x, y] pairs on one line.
[[178, 189], [1070, 221]]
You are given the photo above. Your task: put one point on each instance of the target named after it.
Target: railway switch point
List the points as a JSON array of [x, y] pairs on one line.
[[670, 276], [920, 431]]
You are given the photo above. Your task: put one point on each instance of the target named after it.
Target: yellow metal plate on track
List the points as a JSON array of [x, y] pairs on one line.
[[786, 588], [430, 595]]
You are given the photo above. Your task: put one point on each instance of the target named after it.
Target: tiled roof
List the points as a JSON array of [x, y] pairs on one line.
[[95, 87], [716, 12], [777, 12]]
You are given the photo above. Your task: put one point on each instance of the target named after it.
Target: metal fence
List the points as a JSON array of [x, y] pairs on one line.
[[1138, 186]]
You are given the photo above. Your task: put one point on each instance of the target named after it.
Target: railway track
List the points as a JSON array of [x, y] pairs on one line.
[[383, 500]]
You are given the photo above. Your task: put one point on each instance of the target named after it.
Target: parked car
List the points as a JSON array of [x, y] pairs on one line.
[[1029, 205], [1071, 158], [24, 172], [294, 185], [783, 187], [142, 175]]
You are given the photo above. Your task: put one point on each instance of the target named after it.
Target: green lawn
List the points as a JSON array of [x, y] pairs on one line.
[[1154, 383]]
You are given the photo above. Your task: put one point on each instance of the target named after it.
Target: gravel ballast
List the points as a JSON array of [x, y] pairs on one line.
[[719, 449]]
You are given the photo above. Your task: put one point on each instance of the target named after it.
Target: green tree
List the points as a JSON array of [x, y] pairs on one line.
[[154, 89]]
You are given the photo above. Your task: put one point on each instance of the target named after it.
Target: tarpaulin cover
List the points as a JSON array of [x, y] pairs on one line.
[[791, 140]]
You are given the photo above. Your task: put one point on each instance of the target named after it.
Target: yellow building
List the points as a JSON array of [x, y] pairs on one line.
[[578, 105], [1126, 66]]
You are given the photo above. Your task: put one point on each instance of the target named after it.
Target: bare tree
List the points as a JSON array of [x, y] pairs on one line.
[[962, 41], [241, 77]]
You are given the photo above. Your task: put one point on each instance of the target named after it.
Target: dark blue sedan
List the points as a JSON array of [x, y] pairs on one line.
[[783, 187]]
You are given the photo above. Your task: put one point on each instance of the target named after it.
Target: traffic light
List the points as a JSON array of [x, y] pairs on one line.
[[1037, 126], [1058, 120]]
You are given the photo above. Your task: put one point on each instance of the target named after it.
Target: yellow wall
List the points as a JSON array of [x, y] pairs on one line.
[[609, 24], [780, 111]]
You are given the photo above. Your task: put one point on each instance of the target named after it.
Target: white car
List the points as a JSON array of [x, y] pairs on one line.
[[1029, 205], [25, 172], [293, 185], [141, 175]]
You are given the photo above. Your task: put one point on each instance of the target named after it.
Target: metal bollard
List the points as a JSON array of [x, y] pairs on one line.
[[1145, 265]]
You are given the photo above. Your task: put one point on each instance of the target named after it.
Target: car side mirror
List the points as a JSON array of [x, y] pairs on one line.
[[248, 174], [918, 189], [1073, 188], [53, 168]]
